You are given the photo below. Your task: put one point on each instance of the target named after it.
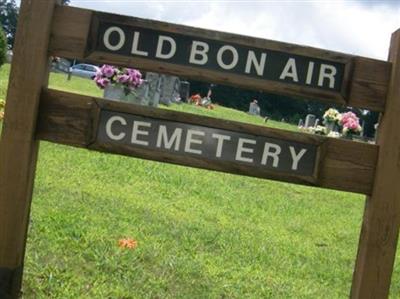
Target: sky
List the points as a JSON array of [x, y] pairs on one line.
[[358, 27]]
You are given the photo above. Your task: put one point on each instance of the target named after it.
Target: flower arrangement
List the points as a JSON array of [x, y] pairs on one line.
[[320, 130], [202, 102], [129, 79], [331, 116], [350, 123]]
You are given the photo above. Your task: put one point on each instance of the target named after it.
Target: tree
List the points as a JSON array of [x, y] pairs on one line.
[[9, 16], [3, 47], [8, 19]]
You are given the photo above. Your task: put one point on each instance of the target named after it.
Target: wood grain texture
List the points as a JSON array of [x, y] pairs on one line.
[[18, 149], [365, 85], [71, 119], [380, 229]]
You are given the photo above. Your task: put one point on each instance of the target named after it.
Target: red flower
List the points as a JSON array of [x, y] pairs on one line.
[[127, 243]]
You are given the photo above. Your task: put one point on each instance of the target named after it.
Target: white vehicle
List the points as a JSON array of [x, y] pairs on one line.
[[84, 70]]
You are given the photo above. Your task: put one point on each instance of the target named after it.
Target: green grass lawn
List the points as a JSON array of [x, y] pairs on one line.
[[200, 234]]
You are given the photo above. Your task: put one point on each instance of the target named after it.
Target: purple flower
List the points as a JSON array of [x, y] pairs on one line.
[[126, 77], [123, 78], [108, 71], [102, 82]]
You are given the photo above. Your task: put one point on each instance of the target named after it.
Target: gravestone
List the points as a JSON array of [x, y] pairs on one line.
[[169, 89], [60, 65], [301, 123], [254, 109], [153, 88], [310, 120], [316, 123], [184, 90], [9, 56]]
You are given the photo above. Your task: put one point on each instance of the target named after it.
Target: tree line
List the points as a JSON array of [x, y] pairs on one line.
[[277, 107], [9, 12]]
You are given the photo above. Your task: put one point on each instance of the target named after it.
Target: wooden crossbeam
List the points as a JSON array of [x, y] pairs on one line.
[[364, 81], [72, 119]]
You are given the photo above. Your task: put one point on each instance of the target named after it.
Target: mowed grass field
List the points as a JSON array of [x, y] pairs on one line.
[[200, 234]]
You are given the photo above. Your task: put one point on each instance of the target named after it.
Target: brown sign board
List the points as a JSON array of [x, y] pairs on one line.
[[236, 60], [207, 143], [321, 75], [226, 57], [358, 82]]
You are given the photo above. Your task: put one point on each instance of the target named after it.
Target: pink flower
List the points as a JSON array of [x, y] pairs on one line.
[[127, 78], [108, 70], [348, 116], [102, 82], [350, 123], [123, 78]]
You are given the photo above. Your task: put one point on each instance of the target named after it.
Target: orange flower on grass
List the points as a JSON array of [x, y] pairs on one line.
[[127, 243]]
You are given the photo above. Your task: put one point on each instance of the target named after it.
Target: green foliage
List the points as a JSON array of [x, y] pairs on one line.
[[3, 47], [9, 12], [8, 19]]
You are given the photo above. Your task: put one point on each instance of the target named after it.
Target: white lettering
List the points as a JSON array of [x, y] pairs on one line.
[[235, 57], [273, 154], [135, 45], [106, 38], [196, 51], [221, 139], [163, 138], [310, 72], [160, 45], [258, 65], [290, 70], [110, 122], [136, 131], [190, 140], [327, 72], [296, 157], [241, 149]]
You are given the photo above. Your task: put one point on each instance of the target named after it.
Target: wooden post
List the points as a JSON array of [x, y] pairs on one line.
[[18, 149], [380, 229]]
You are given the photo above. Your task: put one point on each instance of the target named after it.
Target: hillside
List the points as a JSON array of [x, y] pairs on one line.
[[200, 234]]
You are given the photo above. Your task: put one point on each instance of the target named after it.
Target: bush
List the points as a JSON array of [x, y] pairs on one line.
[[3, 47]]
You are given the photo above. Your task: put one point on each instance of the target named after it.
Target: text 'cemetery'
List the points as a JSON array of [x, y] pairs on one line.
[[207, 143]]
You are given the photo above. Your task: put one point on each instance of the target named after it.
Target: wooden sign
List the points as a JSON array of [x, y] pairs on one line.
[[34, 112], [206, 143], [219, 57], [226, 57]]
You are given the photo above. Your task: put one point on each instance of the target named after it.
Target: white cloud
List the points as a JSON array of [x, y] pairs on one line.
[[354, 27], [345, 26]]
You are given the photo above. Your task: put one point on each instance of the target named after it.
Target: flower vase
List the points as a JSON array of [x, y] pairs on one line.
[[117, 93], [112, 92], [348, 136], [330, 126]]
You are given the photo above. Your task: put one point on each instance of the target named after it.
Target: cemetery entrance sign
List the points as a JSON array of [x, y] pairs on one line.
[[34, 113]]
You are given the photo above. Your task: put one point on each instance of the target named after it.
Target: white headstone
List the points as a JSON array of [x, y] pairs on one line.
[[310, 120], [301, 123]]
